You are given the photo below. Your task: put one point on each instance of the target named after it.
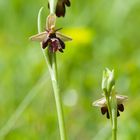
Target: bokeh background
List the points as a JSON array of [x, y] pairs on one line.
[[105, 34]]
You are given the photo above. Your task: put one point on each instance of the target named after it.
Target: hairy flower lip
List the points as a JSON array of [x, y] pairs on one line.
[[54, 42]]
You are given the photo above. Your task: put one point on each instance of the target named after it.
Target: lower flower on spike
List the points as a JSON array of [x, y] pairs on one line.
[[51, 38]]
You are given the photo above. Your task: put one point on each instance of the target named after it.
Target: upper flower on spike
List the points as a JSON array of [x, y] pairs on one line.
[[51, 37], [60, 7], [104, 110]]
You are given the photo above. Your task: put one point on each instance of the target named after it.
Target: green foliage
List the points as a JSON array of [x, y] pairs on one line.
[[105, 34]]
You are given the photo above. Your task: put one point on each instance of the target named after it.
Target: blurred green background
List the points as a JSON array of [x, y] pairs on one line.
[[105, 34]]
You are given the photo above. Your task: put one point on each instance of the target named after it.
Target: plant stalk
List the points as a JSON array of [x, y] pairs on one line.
[[112, 109], [114, 116], [58, 98], [109, 108]]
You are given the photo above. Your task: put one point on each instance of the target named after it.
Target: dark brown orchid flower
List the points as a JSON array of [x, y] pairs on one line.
[[51, 37], [104, 110], [60, 7]]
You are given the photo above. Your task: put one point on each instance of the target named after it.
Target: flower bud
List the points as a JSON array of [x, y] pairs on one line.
[[108, 81], [111, 80], [104, 82]]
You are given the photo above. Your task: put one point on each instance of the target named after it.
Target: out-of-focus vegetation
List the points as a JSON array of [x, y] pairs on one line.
[[105, 34]]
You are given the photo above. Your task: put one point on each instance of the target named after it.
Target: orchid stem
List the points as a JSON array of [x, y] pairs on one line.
[[58, 98], [112, 109], [114, 117]]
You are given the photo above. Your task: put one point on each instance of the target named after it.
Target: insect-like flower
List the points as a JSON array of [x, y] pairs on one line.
[[104, 110], [51, 37], [60, 7]]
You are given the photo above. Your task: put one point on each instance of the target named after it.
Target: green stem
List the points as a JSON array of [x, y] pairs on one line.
[[114, 134], [114, 116], [112, 109], [53, 73], [58, 98], [109, 107]]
